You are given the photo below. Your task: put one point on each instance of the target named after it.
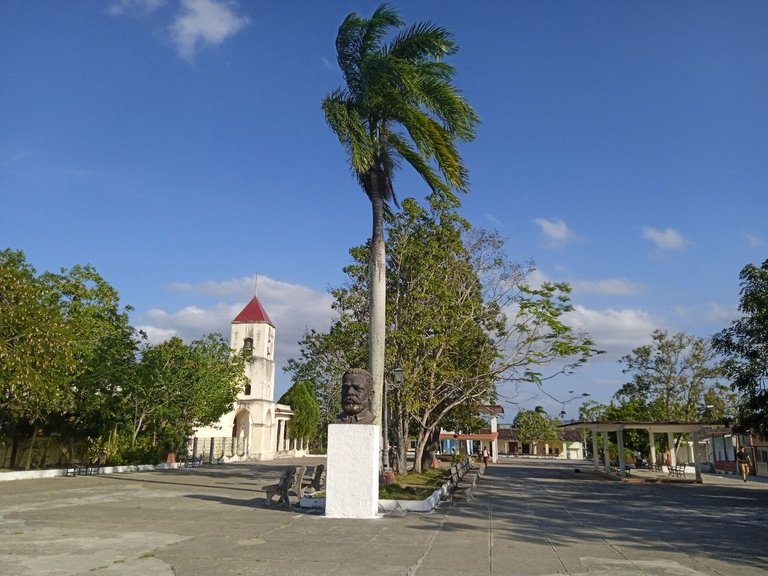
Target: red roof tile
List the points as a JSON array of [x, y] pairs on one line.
[[253, 313]]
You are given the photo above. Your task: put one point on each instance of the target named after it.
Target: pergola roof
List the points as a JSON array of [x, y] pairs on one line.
[[650, 426]]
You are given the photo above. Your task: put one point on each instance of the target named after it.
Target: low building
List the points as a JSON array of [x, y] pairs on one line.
[[569, 446]]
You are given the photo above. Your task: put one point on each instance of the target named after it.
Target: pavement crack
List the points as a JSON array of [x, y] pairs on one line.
[[416, 567]]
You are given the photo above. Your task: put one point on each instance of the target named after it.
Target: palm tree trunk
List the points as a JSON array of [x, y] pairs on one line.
[[378, 296]]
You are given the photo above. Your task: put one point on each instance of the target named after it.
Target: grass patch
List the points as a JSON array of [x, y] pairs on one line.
[[413, 486]]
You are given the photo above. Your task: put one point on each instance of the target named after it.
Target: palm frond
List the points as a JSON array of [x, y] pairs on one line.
[[421, 41], [401, 86]]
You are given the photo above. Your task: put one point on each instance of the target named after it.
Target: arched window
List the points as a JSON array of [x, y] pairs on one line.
[[248, 344]]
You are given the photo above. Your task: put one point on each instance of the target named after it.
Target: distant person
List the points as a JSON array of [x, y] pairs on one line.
[[485, 456], [742, 460], [667, 458]]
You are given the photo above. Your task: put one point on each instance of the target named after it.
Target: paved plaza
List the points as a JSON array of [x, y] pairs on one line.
[[529, 517]]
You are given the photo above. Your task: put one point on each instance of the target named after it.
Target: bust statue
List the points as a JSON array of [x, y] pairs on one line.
[[356, 397]]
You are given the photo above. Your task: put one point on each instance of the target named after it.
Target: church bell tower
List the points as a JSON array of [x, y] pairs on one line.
[[253, 334]]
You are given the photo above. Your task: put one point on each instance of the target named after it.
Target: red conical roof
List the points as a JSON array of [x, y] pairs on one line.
[[253, 313]]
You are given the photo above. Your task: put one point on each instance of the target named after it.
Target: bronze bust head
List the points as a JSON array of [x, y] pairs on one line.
[[356, 397]]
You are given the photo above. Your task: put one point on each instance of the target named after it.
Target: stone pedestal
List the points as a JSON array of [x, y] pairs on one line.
[[352, 478]]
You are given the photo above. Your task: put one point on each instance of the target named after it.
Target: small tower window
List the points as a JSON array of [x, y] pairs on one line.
[[248, 344], [248, 389]]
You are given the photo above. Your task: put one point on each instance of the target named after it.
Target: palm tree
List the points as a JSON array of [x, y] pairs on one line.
[[398, 104]]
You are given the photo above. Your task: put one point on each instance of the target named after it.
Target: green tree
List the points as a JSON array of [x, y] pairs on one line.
[[745, 346], [104, 348], [441, 329], [534, 426], [306, 411], [671, 379], [36, 349], [398, 104], [178, 387], [449, 289]]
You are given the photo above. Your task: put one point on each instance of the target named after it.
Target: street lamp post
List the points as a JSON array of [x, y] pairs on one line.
[[387, 475]]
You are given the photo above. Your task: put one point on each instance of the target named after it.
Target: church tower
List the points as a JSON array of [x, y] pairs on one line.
[[253, 334], [257, 425]]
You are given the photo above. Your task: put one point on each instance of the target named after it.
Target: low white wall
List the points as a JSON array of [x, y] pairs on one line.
[[54, 472]]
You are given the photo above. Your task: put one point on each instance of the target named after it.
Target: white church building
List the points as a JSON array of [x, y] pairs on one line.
[[257, 427]]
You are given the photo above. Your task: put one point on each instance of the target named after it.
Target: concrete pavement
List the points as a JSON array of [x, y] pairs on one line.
[[529, 517]]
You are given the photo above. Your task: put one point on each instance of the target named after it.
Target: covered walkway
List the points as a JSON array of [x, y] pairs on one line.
[[601, 430]]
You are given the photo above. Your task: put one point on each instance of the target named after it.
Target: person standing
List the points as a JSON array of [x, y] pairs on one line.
[[485, 456], [742, 460]]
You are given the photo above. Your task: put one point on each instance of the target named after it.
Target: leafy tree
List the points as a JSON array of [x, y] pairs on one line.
[[449, 294], [36, 349], [104, 349], [441, 328], [306, 411], [745, 346], [671, 379], [592, 411], [534, 426], [398, 104], [178, 387]]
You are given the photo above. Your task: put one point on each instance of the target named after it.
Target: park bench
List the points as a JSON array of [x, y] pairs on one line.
[[316, 482], [289, 485], [77, 468], [463, 480], [192, 461], [615, 469], [677, 471]]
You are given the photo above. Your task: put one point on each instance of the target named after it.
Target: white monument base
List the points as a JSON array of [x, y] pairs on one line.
[[352, 478]]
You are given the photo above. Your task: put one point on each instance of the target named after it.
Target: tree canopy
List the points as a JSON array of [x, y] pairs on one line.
[[673, 379], [181, 386], [71, 366], [745, 347], [37, 356], [462, 319], [534, 426], [306, 411]]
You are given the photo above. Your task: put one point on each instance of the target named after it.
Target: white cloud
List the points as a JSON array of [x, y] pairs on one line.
[[668, 239], [137, 7], [722, 315], [238, 287], [204, 23], [556, 232], [617, 332], [156, 335], [609, 286], [707, 317]]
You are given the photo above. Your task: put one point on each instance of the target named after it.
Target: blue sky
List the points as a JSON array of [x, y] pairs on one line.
[[179, 147]]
